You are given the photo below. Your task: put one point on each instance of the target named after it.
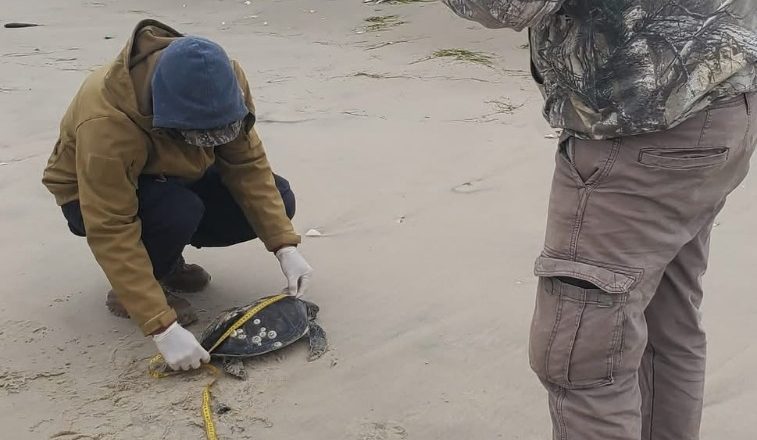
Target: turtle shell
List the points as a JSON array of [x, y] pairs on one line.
[[274, 327]]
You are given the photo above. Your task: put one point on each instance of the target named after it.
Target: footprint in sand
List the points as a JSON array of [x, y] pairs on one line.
[[382, 431], [23, 331], [472, 186]]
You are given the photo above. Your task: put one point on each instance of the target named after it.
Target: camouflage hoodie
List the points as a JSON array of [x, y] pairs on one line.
[[611, 68]]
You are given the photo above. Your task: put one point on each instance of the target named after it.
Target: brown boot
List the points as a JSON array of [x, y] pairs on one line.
[[184, 311], [185, 278]]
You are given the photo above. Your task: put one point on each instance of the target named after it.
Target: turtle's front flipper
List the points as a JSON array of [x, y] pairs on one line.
[[318, 343], [235, 367]]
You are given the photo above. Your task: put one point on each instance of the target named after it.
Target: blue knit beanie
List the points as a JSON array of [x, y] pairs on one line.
[[194, 87]]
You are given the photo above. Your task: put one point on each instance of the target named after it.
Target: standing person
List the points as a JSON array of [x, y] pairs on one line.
[[157, 151], [656, 100]]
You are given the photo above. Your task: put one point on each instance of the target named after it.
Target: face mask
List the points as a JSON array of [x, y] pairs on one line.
[[212, 137]]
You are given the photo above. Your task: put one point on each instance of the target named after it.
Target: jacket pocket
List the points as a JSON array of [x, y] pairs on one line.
[[683, 158], [577, 333], [105, 171]]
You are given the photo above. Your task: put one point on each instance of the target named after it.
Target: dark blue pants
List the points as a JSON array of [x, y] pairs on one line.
[[203, 214]]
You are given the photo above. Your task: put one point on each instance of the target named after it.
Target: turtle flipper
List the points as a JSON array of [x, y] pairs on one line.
[[235, 367], [318, 342]]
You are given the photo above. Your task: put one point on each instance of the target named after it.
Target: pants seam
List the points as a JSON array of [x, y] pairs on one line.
[[616, 344], [748, 119], [705, 126], [651, 392], [553, 334], [577, 325], [578, 221], [561, 415], [588, 190]]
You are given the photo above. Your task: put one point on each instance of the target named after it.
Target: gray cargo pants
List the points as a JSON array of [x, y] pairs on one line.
[[616, 336]]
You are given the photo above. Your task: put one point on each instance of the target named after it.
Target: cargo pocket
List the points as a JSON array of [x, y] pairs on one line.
[[577, 333]]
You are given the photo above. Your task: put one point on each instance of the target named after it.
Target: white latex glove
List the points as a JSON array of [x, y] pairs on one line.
[[296, 270], [180, 348]]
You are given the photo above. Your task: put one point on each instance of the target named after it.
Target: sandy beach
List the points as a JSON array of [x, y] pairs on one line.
[[428, 179]]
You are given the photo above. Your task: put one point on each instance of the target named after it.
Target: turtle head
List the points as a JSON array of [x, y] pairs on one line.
[[312, 309]]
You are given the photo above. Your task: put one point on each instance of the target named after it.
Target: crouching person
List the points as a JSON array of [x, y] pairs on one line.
[[158, 151]]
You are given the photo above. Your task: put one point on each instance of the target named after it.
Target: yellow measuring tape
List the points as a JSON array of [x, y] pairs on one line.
[[207, 416], [156, 366]]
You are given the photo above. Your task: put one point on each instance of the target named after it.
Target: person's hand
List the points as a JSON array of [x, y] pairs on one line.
[[296, 270], [180, 348]]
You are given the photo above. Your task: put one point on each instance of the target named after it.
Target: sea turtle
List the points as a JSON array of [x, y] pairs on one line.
[[271, 323]]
